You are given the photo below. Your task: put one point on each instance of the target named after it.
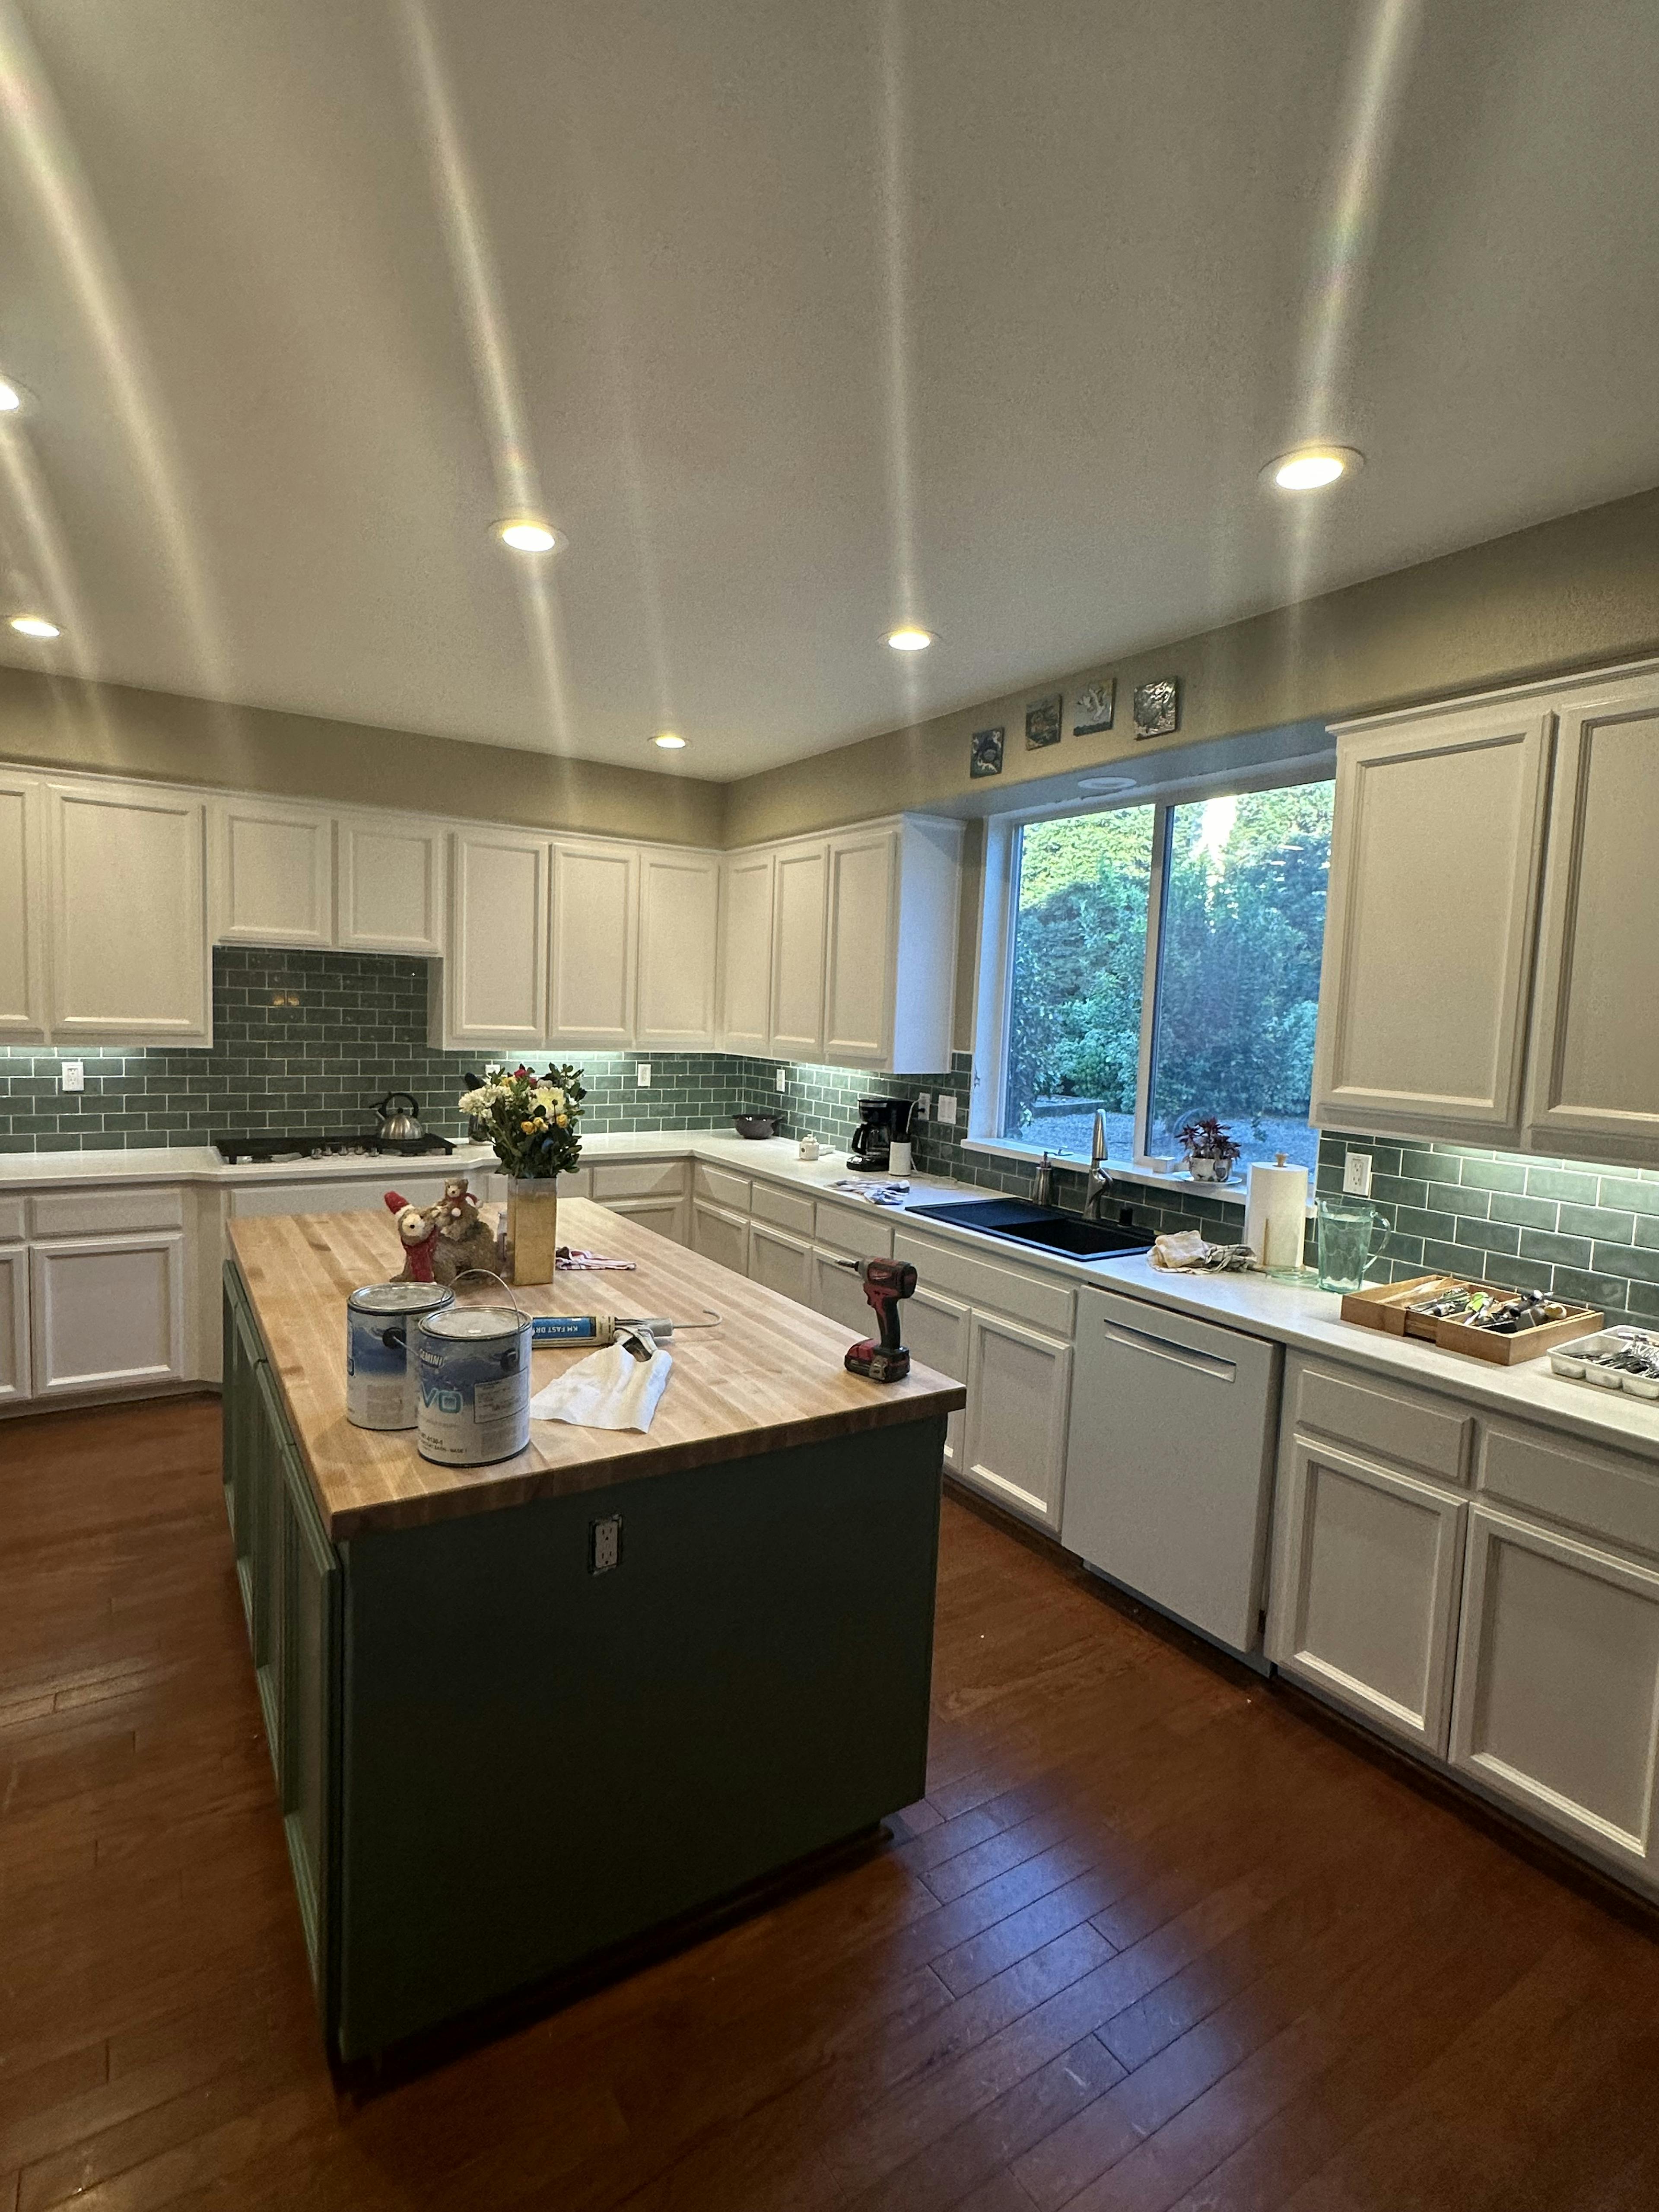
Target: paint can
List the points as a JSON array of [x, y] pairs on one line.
[[382, 1390], [474, 1367]]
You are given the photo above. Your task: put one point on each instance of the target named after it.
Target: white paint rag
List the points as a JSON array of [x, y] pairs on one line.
[[609, 1390]]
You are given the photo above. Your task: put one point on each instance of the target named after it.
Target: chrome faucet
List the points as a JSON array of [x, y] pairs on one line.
[[1099, 1181], [1042, 1190]]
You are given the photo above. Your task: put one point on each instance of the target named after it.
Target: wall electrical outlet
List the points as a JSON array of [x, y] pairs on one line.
[[642, 1073], [1357, 1175], [945, 1107], [73, 1075], [783, 1078], [604, 1544], [919, 1113]]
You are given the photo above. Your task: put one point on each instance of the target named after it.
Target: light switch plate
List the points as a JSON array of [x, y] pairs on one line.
[[642, 1073], [1357, 1175], [783, 1078], [945, 1107], [74, 1077]]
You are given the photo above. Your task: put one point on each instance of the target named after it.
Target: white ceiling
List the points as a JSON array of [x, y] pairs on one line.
[[810, 315]]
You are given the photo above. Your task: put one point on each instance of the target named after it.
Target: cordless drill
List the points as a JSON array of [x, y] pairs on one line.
[[885, 1282]]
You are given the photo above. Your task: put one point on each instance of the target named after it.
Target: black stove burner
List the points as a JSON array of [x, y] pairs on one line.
[[322, 1145]]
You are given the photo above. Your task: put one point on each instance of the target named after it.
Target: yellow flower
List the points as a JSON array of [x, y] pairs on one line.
[[526, 1127], [562, 1120]]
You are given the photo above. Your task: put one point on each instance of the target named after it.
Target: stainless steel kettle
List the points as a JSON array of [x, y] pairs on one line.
[[399, 1127]]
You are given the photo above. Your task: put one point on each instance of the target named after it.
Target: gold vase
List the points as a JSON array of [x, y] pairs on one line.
[[533, 1228]]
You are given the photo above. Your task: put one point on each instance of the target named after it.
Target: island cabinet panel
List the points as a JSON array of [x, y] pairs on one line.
[[1363, 1606], [1593, 1077], [1435, 857], [241, 1411], [308, 1720], [1557, 1686]]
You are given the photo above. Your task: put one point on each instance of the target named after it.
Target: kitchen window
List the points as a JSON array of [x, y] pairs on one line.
[[1161, 962]]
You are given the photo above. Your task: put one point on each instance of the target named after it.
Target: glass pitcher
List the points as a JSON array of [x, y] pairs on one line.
[[1350, 1231]]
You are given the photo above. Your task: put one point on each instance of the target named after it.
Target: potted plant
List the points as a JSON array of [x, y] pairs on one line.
[[1211, 1150], [534, 1123]]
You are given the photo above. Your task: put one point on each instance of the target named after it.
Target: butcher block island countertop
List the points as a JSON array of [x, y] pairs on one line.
[[770, 1376], [528, 1718]]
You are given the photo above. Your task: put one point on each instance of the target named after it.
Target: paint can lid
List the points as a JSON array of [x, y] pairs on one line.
[[400, 1299], [470, 1323]]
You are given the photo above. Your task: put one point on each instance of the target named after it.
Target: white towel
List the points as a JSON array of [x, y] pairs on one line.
[[609, 1390]]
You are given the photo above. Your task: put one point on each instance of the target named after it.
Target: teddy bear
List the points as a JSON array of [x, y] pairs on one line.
[[418, 1233], [463, 1240]]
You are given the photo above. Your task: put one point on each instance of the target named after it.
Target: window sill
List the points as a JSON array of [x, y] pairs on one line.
[[1228, 1193]]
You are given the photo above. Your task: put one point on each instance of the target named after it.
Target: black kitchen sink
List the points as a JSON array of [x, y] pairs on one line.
[[1044, 1227]]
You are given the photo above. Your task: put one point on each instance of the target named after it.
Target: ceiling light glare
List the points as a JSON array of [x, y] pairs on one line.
[[668, 742], [12, 398], [528, 533], [1311, 468], [909, 639], [34, 626]]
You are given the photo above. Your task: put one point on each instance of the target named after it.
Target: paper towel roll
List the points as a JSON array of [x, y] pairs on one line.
[[1275, 1214]]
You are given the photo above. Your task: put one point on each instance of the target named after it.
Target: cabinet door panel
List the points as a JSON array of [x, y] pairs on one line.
[[270, 873], [309, 1713], [496, 978], [595, 901], [1557, 1685], [746, 954], [1367, 1566], [862, 954], [15, 1378], [1428, 942], [1020, 1393], [391, 886], [839, 1295], [679, 910], [720, 1236], [22, 911], [108, 1310], [936, 1328], [665, 1215], [782, 1262], [128, 952], [1595, 1065], [797, 933]]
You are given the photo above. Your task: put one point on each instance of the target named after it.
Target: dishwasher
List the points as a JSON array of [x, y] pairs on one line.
[[1169, 1468]]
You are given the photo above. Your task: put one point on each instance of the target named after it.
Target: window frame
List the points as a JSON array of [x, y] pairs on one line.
[[1003, 836]]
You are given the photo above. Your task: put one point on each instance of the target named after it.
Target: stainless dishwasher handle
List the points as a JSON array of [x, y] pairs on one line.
[[1201, 1363]]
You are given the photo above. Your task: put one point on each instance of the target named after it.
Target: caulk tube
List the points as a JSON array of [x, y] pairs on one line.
[[590, 1329]]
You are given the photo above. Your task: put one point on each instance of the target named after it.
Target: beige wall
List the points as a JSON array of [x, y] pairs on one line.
[[60, 723], [1565, 594]]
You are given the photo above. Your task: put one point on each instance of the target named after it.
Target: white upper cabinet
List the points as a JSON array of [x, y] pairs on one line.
[[679, 914], [799, 907], [1435, 864], [494, 986], [270, 873], [890, 987], [127, 949], [592, 962], [390, 884], [1593, 1073], [746, 962], [22, 916]]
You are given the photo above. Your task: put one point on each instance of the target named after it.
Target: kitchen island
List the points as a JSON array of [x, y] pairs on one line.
[[500, 1759]]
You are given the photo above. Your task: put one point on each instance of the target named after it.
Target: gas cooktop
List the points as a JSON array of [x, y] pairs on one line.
[[261, 1149]]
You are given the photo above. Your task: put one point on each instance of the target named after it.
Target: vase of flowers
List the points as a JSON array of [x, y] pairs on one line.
[[1211, 1152], [534, 1121]]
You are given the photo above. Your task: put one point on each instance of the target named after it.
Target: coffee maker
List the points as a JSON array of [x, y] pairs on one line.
[[880, 1121]]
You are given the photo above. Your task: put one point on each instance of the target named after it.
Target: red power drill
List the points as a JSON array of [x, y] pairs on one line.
[[885, 1282]]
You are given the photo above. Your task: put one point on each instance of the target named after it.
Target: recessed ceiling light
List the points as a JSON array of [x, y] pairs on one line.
[[668, 742], [528, 533], [909, 639], [12, 398], [34, 626], [1311, 468]]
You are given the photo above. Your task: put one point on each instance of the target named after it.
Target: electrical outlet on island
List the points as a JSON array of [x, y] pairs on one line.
[[642, 1073], [1357, 1175]]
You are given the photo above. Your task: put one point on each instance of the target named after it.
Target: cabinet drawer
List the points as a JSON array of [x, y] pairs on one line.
[[638, 1179], [720, 1188], [1400, 1424], [103, 1212], [857, 1229], [1032, 1298], [11, 1220], [785, 1209], [1606, 1493]]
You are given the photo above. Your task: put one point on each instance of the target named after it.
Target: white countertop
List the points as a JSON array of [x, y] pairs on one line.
[[1306, 1319]]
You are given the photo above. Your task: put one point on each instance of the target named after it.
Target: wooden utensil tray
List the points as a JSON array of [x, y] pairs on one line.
[[1386, 1306]]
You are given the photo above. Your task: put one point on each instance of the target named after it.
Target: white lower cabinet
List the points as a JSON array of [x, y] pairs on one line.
[[347, 1194], [782, 1262], [1556, 1707], [665, 1215], [14, 1379], [720, 1235], [838, 1294], [107, 1311], [1368, 1563], [1019, 1397], [937, 1330]]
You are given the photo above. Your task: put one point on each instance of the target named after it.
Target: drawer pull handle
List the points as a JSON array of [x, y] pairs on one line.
[[1159, 1347]]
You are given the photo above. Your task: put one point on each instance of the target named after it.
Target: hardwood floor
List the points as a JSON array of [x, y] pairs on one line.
[[1154, 1939]]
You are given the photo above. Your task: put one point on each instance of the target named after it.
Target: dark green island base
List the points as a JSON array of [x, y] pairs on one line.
[[495, 1764]]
